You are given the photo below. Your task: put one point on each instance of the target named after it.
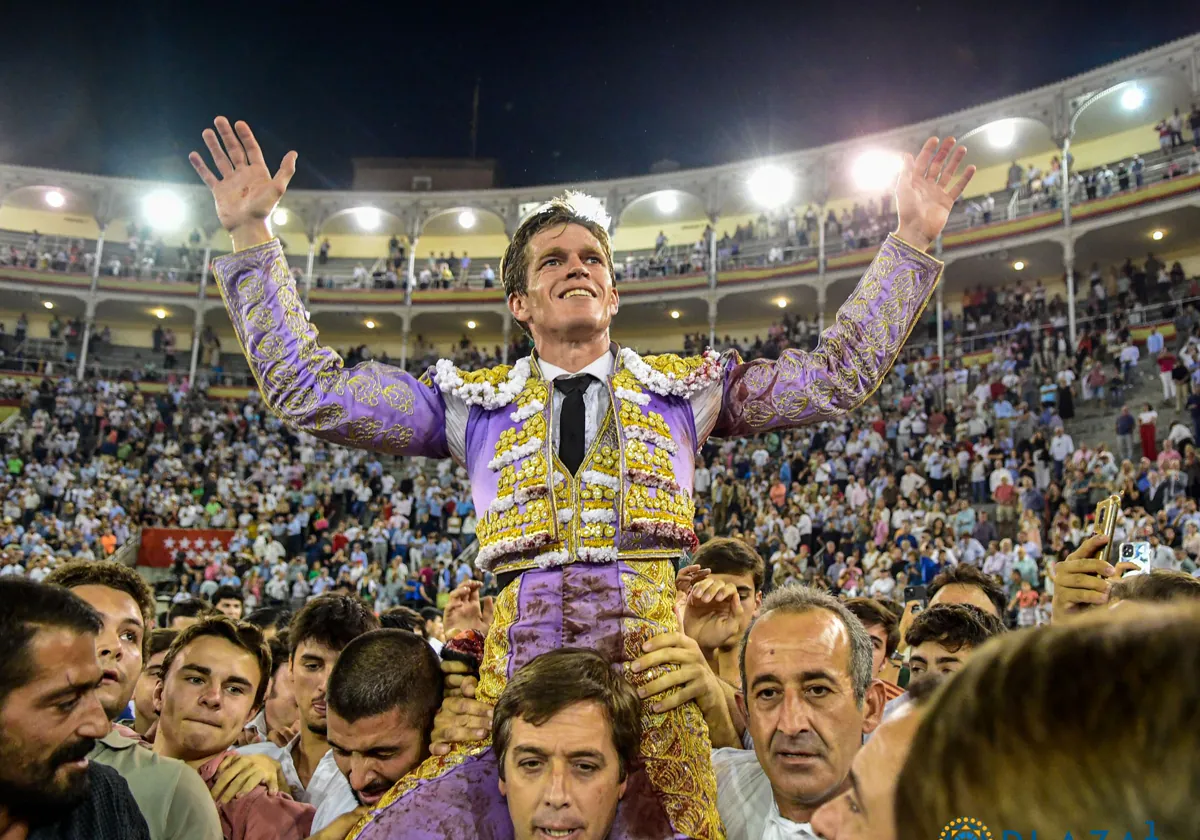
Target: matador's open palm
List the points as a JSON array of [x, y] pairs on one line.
[[926, 189], [246, 192]]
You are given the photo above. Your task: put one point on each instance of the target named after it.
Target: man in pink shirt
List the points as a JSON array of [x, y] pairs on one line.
[[214, 678]]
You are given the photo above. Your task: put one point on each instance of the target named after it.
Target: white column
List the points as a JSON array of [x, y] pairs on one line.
[[1069, 264], [405, 327], [1066, 181], [712, 250], [821, 304], [91, 302], [712, 321], [821, 267], [308, 271], [507, 333], [941, 310], [198, 324]]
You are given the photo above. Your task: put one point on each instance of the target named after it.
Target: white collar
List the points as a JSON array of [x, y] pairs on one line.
[[601, 368], [779, 827]]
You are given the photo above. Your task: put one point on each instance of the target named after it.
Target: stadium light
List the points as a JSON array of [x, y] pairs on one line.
[[875, 170], [1001, 133], [667, 202], [368, 218], [48, 304], [1157, 235], [280, 216], [164, 210], [675, 314], [771, 186], [1019, 265], [467, 219], [781, 302], [1133, 98], [471, 325], [369, 324], [55, 199], [160, 314]]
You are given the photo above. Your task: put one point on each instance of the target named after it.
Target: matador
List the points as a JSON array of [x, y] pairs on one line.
[[580, 456]]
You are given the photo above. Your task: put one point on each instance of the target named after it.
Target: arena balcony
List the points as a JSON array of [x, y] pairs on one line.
[[766, 255]]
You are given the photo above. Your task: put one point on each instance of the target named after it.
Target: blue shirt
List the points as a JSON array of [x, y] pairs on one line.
[[1154, 343]]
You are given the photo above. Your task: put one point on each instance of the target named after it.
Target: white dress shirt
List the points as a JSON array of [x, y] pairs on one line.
[[706, 406], [746, 802], [326, 782]]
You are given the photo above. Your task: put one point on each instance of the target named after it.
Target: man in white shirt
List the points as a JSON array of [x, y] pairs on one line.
[[318, 633], [809, 699]]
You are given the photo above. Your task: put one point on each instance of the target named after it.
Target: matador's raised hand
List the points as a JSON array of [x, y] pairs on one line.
[[924, 192], [246, 192]]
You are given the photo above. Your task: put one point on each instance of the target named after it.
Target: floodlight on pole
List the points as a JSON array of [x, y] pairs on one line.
[[875, 170], [368, 218], [55, 199], [771, 186], [164, 210]]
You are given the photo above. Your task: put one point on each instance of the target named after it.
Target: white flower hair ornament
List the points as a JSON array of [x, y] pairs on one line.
[[583, 205]]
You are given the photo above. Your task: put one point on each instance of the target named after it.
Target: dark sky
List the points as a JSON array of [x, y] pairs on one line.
[[570, 91]]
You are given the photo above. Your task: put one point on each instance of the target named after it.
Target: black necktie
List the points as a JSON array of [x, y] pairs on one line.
[[571, 422]]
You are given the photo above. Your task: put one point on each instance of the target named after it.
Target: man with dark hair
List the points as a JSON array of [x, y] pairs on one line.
[[965, 584], [214, 678], [566, 733], [185, 613], [278, 720], [228, 601], [318, 633], [943, 637], [273, 621], [144, 713], [517, 428], [50, 717], [383, 693], [434, 629], [735, 571], [809, 698], [883, 627], [403, 618], [173, 799]]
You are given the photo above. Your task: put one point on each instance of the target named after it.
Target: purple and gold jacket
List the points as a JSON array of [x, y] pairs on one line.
[[632, 496]]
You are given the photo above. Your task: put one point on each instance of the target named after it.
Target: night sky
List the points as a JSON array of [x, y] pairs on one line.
[[570, 91]]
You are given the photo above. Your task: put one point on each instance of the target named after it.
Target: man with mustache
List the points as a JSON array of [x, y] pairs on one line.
[[213, 680], [318, 633], [383, 693], [809, 697], [580, 456], [173, 799], [50, 718]]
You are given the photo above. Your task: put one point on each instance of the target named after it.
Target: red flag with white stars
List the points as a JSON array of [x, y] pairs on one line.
[[160, 545]]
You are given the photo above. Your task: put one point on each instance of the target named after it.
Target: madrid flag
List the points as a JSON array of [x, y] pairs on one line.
[[160, 546]]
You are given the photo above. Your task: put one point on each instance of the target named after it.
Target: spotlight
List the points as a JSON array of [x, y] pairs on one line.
[[667, 202], [1001, 133], [1019, 265], [280, 216], [164, 210], [160, 314], [55, 199], [771, 186], [1133, 98], [368, 218], [1157, 235], [675, 314], [48, 304], [471, 325], [875, 170], [466, 219], [781, 303], [369, 324]]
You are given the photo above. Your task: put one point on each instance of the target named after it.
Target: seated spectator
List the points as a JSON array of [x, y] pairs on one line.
[[53, 717], [1071, 677], [383, 694], [144, 713], [320, 630], [214, 679], [944, 636], [172, 798], [566, 735], [809, 699]]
